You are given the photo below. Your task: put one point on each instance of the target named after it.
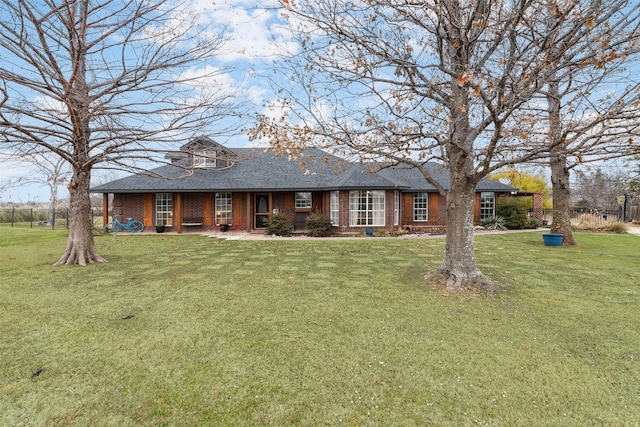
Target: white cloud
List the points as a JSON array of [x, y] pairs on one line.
[[208, 76], [251, 31]]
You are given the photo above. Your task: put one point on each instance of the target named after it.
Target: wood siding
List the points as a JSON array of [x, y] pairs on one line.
[[408, 209], [236, 209], [149, 209]]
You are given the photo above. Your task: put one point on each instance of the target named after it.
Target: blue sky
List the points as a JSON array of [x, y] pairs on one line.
[[255, 39]]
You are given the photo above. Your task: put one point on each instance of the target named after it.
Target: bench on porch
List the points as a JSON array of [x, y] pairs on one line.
[[191, 222]]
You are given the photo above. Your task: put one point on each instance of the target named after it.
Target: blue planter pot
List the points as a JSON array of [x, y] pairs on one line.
[[552, 239]]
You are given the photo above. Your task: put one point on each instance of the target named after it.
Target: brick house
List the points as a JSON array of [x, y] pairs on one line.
[[215, 186]]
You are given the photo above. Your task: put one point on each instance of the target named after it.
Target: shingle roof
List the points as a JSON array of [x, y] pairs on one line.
[[257, 170]]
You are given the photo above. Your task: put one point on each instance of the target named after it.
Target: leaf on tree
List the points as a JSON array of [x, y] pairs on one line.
[[464, 78]]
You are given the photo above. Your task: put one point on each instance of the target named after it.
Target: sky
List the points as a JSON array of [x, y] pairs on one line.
[[249, 50], [255, 39]]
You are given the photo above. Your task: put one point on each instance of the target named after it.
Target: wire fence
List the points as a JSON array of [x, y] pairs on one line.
[[597, 217], [54, 219]]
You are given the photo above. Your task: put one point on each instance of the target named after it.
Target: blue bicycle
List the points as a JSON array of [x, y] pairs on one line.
[[132, 226]]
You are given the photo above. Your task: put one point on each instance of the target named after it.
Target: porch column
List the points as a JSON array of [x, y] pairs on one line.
[[538, 206], [208, 214], [177, 212], [249, 213], [147, 218], [105, 208]]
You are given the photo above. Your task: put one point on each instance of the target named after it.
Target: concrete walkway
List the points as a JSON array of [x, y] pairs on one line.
[[241, 235], [634, 229], [261, 236]]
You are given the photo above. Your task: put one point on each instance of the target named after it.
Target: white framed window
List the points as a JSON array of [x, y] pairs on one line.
[[204, 159], [421, 206], [164, 209], [487, 205], [366, 207], [224, 209], [303, 200], [334, 207], [396, 207]]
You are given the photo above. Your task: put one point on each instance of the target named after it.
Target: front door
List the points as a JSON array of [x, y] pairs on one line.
[[261, 209]]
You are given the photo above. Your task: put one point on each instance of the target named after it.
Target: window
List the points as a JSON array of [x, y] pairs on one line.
[[421, 206], [204, 159], [303, 200], [366, 207], [396, 207], [164, 209], [223, 213], [487, 205], [334, 207]]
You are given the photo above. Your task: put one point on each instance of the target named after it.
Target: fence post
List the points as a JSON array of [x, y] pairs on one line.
[[13, 214], [31, 218]]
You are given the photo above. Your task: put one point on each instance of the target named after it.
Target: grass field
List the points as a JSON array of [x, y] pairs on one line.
[[189, 330]]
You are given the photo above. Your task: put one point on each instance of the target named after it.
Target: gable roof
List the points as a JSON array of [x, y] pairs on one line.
[[259, 170]]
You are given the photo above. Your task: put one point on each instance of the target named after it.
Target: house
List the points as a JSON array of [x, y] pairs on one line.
[[215, 186]]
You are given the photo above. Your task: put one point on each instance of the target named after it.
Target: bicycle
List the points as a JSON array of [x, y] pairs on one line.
[[132, 226]]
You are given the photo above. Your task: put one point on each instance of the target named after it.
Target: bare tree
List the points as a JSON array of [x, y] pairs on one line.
[[52, 172], [450, 81], [633, 177], [597, 189], [105, 83], [593, 100]]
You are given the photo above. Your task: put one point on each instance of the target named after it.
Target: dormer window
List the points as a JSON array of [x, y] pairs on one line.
[[204, 159]]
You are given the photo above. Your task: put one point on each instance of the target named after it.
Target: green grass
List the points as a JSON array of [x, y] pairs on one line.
[[189, 330]]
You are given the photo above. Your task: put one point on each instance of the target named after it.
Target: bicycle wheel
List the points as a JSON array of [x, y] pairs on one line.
[[135, 226], [112, 228]]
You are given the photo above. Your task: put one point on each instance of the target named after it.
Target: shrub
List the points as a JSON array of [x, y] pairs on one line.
[[318, 225], [584, 226], [515, 212], [615, 227], [493, 223], [594, 224], [534, 223], [278, 225]]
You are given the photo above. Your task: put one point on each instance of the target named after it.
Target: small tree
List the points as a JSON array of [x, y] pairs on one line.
[[278, 225], [525, 181], [53, 172], [318, 225], [597, 189], [515, 212]]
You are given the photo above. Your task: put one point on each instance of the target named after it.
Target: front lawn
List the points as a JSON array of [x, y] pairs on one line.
[[190, 330]]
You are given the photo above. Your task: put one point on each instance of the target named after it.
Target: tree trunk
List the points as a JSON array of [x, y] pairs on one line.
[[459, 269], [80, 246], [80, 249], [561, 196], [53, 203], [559, 171]]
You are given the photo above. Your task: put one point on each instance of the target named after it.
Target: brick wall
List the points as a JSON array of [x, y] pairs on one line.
[[193, 207], [128, 206]]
